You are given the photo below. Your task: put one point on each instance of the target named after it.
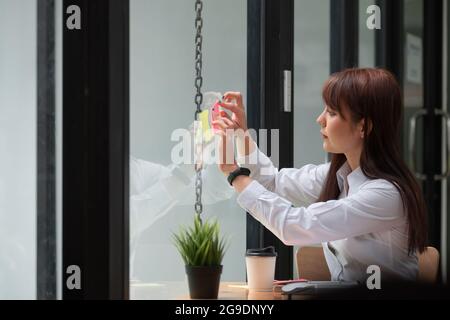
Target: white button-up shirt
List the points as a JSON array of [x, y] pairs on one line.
[[366, 226]]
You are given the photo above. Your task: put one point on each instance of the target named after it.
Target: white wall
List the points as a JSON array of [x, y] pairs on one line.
[[162, 95], [18, 149]]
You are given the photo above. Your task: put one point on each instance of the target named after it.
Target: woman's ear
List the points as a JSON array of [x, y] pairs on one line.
[[363, 127]]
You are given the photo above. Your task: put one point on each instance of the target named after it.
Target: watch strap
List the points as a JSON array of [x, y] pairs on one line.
[[241, 171]]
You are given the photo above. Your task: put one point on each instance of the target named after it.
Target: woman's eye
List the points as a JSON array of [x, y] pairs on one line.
[[331, 113]]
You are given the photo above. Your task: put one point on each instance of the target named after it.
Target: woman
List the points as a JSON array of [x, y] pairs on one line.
[[365, 206]]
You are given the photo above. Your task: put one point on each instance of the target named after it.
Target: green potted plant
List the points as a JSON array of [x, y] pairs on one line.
[[202, 250]]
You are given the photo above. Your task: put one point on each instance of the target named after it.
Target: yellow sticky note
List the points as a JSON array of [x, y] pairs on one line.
[[203, 117]]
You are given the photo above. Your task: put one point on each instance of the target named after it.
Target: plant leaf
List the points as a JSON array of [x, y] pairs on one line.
[[201, 244]]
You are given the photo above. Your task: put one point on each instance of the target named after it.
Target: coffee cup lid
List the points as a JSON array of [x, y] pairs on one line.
[[263, 252]]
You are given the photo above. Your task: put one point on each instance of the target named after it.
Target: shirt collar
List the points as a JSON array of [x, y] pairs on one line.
[[354, 178]]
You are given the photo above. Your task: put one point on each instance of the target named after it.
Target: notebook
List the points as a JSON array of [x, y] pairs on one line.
[[279, 284], [317, 287]]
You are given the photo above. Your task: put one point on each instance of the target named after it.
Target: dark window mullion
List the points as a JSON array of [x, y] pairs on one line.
[[432, 133], [270, 51], [46, 158], [389, 39], [95, 149], [343, 34], [255, 93]]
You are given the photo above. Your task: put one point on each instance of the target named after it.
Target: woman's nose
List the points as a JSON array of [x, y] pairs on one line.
[[320, 119]]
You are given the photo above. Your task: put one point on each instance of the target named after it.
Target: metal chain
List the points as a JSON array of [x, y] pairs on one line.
[[198, 101], [198, 57]]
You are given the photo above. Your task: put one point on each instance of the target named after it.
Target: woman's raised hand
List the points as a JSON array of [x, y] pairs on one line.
[[232, 101]]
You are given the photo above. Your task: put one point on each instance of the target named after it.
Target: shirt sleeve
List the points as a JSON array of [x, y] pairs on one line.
[[301, 186], [376, 207]]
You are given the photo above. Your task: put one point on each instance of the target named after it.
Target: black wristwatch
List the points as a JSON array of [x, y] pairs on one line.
[[238, 172]]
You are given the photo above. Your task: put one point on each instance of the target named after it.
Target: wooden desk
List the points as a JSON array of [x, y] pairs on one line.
[[180, 291], [239, 291]]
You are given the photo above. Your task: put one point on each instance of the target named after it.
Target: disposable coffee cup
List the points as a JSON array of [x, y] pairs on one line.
[[260, 268]]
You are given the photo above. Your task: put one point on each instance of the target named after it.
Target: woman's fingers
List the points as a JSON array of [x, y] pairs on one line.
[[233, 95], [223, 114], [229, 123], [224, 123], [233, 107], [233, 102], [220, 123]]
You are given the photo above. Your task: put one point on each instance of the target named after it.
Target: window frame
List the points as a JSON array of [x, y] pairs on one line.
[[96, 150], [46, 280]]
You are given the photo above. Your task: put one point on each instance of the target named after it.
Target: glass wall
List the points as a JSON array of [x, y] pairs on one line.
[[30, 142], [311, 69], [413, 54], [413, 76], [161, 101], [18, 105], [366, 58]]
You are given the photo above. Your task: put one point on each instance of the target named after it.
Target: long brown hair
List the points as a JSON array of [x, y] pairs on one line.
[[375, 96]]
